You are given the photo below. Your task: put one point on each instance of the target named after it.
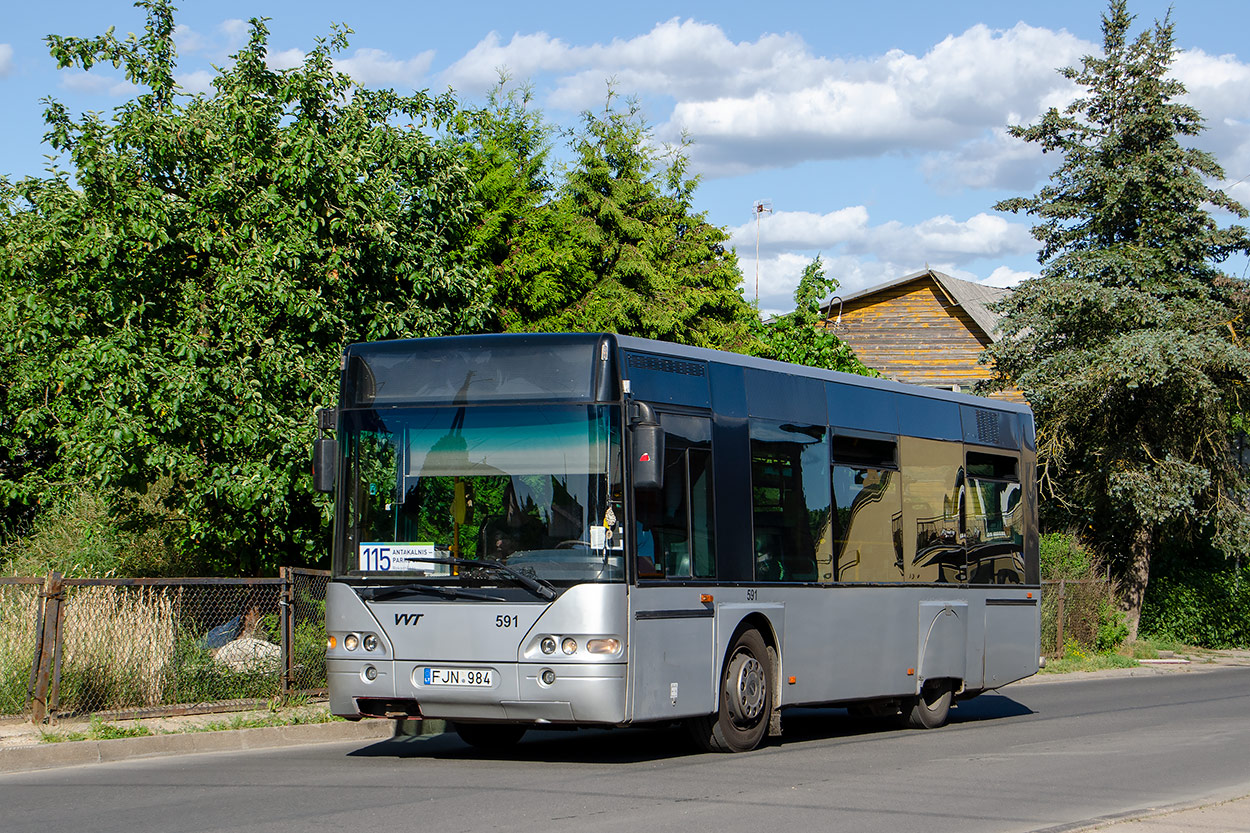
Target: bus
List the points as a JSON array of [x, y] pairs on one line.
[[575, 530]]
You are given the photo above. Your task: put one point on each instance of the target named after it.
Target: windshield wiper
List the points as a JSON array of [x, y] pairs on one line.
[[537, 586], [373, 594]]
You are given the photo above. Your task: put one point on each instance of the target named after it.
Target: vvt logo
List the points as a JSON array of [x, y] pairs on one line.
[[408, 618]]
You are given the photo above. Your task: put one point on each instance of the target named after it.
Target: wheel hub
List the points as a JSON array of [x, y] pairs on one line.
[[747, 695]]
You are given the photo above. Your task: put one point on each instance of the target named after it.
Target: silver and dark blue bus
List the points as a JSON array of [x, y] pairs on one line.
[[566, 530]]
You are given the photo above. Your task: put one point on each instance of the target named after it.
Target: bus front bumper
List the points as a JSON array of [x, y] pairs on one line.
[[580, 693]]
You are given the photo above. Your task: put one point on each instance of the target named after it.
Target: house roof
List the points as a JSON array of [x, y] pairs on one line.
[[974, 298]]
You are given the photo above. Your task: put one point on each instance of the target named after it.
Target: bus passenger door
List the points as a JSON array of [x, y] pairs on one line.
[[671, 638]]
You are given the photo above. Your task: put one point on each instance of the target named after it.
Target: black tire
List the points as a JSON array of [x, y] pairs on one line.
[[932, 707], [746, 699], [490, 737]]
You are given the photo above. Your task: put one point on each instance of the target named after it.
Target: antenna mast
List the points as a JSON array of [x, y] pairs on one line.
[[760, 207]]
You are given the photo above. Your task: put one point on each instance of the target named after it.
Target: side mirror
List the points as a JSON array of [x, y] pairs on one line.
[[325, 451], [648, 447]]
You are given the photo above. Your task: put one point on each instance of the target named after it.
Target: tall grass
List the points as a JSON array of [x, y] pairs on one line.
[[118, 643], [18, 608]]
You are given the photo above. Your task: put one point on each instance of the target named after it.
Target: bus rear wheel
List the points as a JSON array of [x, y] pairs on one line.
[[746, 699], [931, 708], [490, 737]]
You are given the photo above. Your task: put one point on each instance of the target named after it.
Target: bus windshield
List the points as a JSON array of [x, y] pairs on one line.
[[537, 488]]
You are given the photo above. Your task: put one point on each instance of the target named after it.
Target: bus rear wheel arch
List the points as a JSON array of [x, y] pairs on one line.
[[745, 701], [931, 708]]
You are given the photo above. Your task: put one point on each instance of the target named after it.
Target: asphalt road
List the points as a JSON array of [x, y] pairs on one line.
[[1034, 757]]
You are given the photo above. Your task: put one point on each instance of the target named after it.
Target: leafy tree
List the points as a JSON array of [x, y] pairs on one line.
[[801, 337], [1123, 345], [176, 303], [506, 148], [620, 248]]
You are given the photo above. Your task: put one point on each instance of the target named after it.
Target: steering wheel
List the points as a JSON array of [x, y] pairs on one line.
[[571, 543]]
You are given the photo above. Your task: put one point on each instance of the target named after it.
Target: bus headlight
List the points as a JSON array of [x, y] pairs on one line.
[[370, 642], [569, 645], [369, 673], [548, 676], [548, 645], [351, 641], [603, 646]]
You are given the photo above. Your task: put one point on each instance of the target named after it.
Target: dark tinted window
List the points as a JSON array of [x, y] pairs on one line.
[[864, 451], [470, 370], [789, 500], [991, 465]]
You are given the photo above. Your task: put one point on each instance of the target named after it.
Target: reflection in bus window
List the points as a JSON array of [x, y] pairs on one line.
[[868, 542], [932, 491], [995, 523], [790, 500]]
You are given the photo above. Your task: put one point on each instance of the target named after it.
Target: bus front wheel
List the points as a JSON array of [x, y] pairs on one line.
[[746, 699]]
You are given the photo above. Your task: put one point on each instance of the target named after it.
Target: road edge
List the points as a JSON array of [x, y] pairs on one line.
[[83, 752]]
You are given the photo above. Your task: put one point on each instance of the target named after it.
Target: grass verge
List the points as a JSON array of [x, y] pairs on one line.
[[99, 730]]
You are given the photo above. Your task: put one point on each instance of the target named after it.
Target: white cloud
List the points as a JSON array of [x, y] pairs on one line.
[[944, 239], [374, 67], [940, 238], [235, 30], [771, 102], [963, 87], [803, 229], [994, 160], [97, 83], [6, 59], [861, 255], [524, 56], [286, 59], [200, 81], [187, 40], [1004, 276]]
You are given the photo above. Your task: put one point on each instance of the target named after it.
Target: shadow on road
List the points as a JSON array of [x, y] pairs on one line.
[[651, 743]]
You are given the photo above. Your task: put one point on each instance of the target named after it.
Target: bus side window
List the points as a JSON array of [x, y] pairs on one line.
[[868, 522], [790, 500], [995, 520], [673, 525]]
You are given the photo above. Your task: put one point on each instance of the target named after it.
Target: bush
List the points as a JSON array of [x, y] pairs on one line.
[[1203, 602], [1093, 622], [1063, 557]]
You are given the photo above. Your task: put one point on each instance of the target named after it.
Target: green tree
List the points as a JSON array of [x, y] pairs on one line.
[[620, 248], [175, 304], [1123, 345], [801, 337]]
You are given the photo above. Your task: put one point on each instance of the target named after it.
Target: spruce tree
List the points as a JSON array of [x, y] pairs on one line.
[[1125, 345]]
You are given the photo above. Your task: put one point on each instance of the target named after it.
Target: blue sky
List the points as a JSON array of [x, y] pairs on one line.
[[876, 129]]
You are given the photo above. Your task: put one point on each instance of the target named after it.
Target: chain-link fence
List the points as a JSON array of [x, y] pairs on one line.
[[75, 647], [1072, 611]]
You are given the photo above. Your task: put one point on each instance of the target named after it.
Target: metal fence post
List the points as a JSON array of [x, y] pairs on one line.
[[286, 614], [49, 646], [1059, 620]]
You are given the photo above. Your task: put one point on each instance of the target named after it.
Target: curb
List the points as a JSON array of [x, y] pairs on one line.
[[80, 752], [1139, 671], [1146, 814]]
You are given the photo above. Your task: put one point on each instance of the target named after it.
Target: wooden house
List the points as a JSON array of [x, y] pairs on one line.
[[925, 328]]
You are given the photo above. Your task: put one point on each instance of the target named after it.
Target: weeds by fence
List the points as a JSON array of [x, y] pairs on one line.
[[80, 647], [1078, 612]]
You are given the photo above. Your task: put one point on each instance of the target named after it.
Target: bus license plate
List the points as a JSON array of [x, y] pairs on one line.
[[471, 677]]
